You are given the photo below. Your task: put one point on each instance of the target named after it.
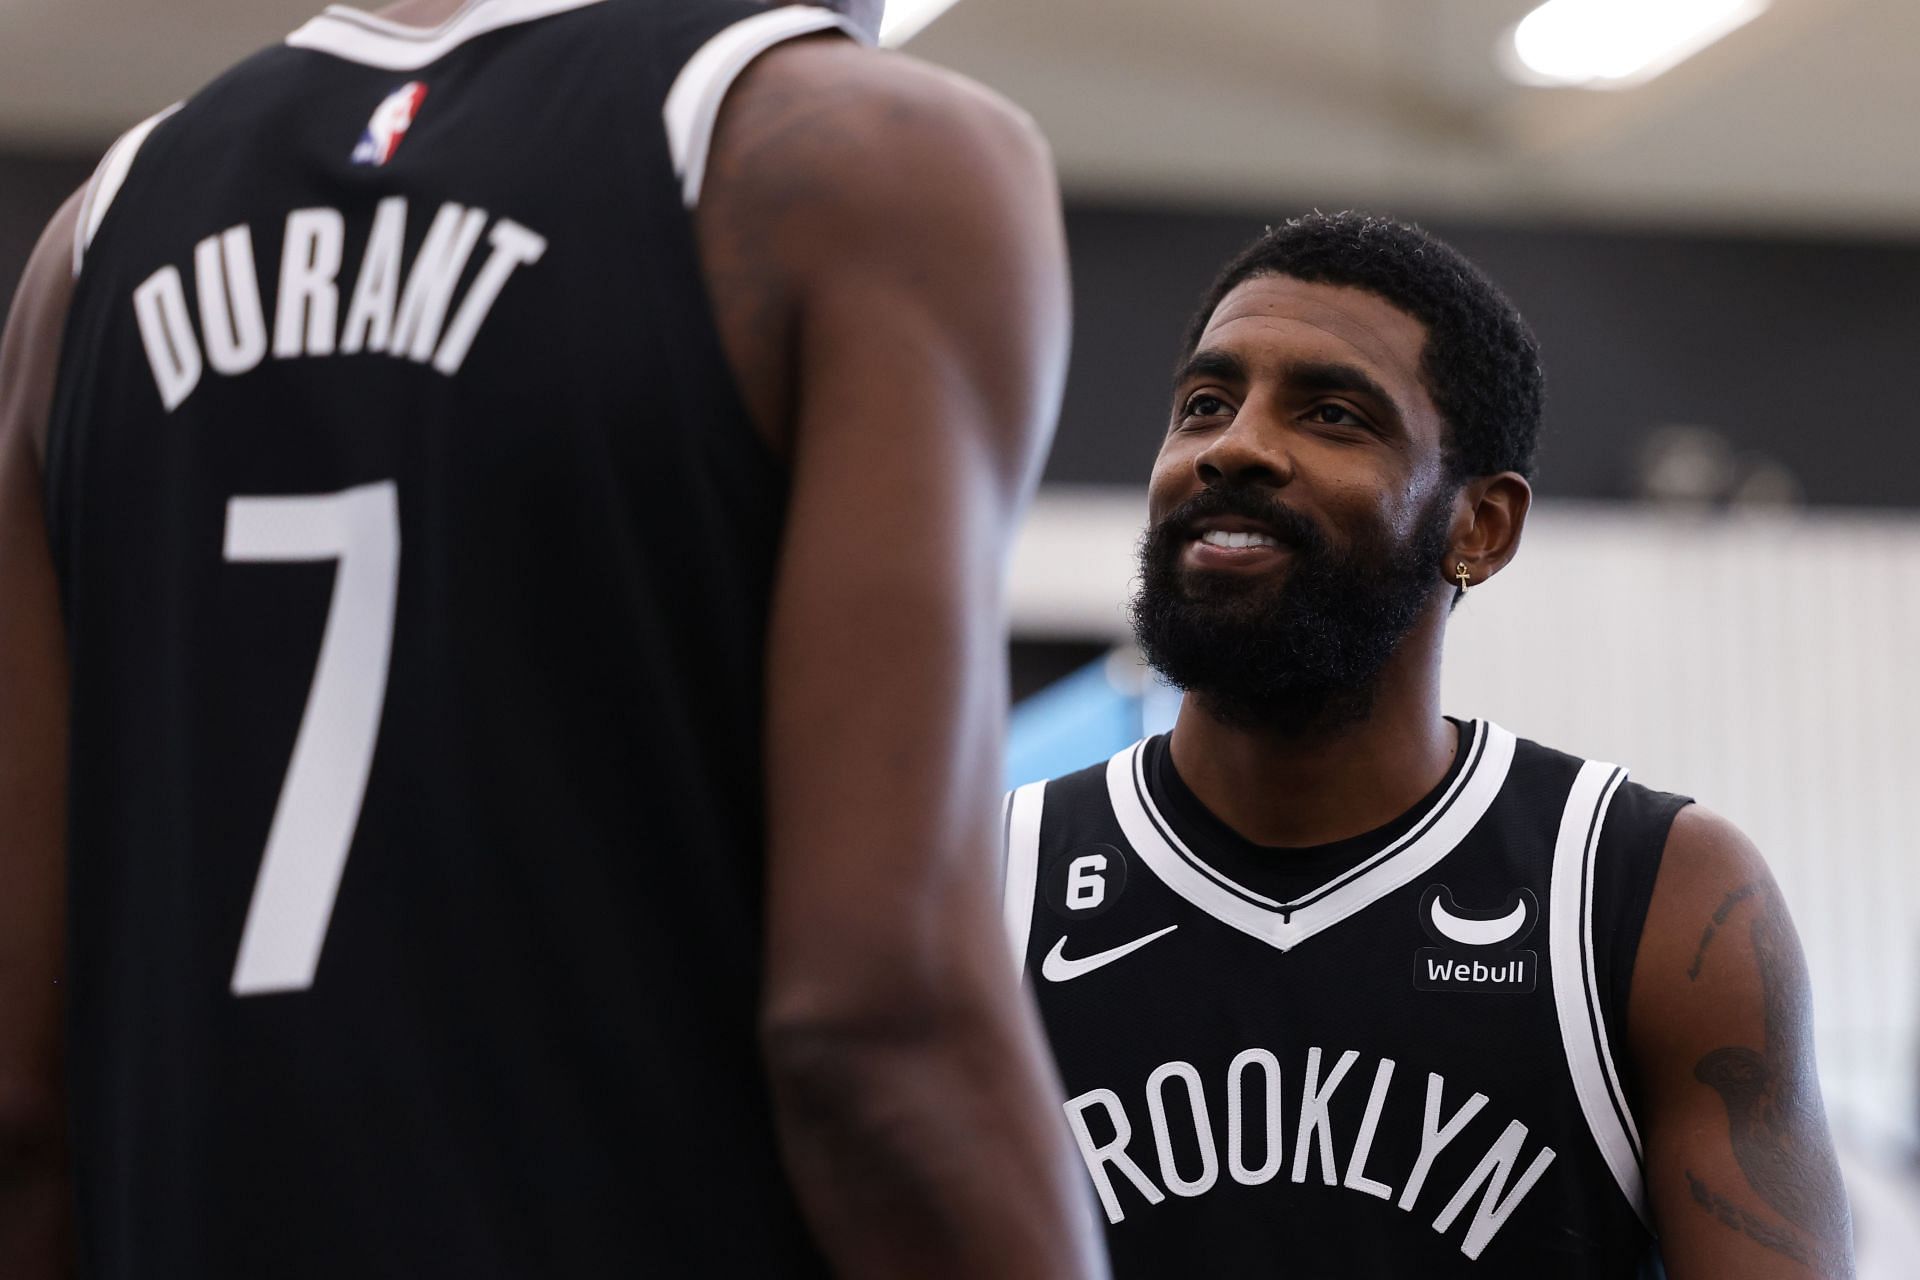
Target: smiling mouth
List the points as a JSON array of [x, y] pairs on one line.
[[1235, 552], [1236, 539]]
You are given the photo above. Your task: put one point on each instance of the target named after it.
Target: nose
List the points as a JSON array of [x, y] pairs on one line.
[[1247, 452]]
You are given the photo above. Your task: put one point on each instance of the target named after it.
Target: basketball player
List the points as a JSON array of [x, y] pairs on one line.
[[1340, 986], [417, 447]]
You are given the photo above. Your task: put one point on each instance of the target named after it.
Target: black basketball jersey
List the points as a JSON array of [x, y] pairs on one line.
[[1409, 1069], [416, 548]]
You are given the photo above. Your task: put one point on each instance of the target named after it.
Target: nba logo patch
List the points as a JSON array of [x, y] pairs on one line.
[[391, 120]]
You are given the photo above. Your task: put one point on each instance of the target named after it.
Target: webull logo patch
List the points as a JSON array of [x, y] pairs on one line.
[[1476, 950]]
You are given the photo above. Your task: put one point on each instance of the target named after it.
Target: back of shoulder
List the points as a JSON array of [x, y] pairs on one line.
[[860, 135]]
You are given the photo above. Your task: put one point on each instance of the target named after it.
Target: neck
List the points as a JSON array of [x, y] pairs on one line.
[[1311, 786]]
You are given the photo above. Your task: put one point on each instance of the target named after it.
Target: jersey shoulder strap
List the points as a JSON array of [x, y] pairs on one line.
[[104, 187], [1606, 854], [693, 103]]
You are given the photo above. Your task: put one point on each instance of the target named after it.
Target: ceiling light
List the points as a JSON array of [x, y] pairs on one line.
[[1615, 44], [905, 19]]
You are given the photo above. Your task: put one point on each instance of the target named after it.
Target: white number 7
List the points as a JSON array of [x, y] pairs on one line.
[[319, 805]]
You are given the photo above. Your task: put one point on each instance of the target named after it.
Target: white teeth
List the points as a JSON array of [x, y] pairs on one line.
[[1225, 538]]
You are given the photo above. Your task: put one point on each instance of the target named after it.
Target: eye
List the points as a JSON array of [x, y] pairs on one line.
[[1331, 413], [1204, 404]]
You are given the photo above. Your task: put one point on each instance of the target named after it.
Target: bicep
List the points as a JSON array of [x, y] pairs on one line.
[[1741, 1169]]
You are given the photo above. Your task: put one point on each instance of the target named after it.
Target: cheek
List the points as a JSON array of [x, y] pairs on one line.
[[1422, 499], [1371, 496], [1170, 482], [1364, 515]]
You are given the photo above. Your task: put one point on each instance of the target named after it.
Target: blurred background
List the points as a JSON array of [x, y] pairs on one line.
[[1710, 212]]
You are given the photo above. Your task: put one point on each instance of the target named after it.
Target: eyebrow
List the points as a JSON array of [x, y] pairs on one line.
[[1302, 375], [1211, 363], [1333, 375]]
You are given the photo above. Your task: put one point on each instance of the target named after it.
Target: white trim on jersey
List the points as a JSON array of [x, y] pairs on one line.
[[1576, 990], [1285, 925], [1023, 865], [106, 183], [693, 104], [373, 41]]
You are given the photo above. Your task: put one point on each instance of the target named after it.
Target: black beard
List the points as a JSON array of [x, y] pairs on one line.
[[1296, 656]]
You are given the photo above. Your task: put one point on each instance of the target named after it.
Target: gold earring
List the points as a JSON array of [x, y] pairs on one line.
[[1460, 572]]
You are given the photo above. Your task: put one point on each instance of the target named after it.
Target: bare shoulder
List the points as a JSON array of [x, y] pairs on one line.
[[30, 350], [826, 150], [1705, 845], [1707, 857], [844, 176], [828, 106], [1713, 892]]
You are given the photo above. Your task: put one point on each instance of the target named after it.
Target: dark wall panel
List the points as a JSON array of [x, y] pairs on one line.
[[1802, 350]]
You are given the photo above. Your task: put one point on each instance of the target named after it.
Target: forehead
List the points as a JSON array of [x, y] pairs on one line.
[[1269, 321]]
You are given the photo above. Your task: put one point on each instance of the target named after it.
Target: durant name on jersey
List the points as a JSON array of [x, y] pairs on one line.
[[391, 311]]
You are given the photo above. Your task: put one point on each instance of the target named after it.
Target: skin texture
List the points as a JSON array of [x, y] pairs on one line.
[[887, 267], [33, 708], [1740, 1166]]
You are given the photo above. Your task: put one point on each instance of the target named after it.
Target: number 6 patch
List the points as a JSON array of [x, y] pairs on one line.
[[1084, 882]]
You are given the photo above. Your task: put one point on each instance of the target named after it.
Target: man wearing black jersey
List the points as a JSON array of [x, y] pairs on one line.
[[1304, 957], [585, 884]]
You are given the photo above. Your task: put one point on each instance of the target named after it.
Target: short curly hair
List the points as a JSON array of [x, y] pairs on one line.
[[1481, 363]]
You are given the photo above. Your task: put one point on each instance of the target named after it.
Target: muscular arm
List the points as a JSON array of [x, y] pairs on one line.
[[33, 734], [1740, 1167], [884, 247]]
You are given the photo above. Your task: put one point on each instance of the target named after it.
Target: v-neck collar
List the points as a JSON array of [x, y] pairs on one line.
[[1435, 834]]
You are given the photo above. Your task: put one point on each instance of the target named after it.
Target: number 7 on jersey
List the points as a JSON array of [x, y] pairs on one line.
[[319, 805]]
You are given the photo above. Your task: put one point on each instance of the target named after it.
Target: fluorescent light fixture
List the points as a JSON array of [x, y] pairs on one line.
[[1615, 44], [906, 18]]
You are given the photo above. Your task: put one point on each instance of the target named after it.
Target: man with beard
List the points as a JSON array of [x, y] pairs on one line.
[[1340, 986]]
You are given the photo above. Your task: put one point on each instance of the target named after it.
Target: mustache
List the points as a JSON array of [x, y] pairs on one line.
[[1249, 503]]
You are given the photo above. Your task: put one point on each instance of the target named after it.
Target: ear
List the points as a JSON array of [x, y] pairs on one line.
[[1489, 514]]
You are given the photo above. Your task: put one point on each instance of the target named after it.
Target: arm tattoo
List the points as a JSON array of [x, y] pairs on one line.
[[1720, 915], [1774, 1114], [1775, 1237]]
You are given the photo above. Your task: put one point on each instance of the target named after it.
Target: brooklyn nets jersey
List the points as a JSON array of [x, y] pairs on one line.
[[1395, 1057], [416, 549]]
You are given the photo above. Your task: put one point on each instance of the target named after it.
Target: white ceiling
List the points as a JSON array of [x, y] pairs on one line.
[[1803, 119]]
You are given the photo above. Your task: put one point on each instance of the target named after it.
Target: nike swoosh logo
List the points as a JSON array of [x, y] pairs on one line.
[[1057, 968], [1477, 933]]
